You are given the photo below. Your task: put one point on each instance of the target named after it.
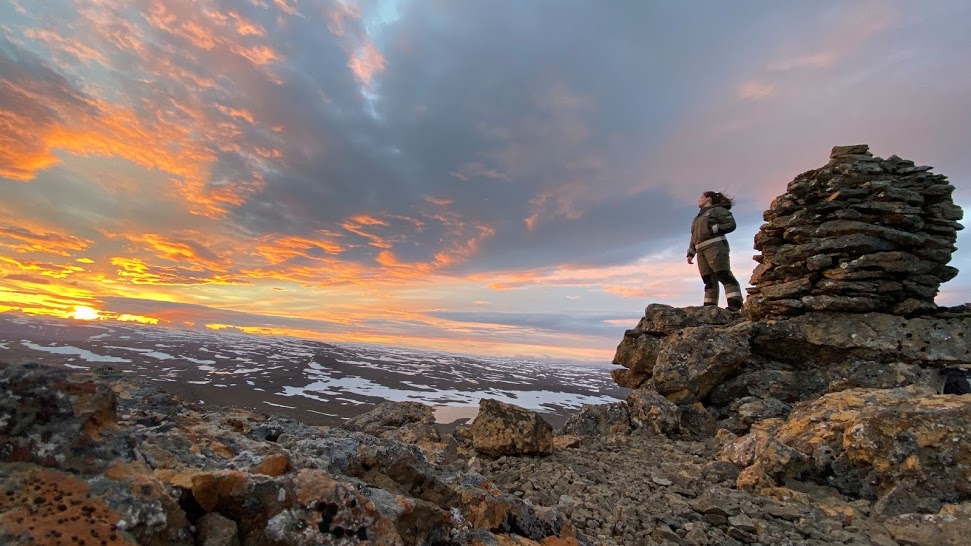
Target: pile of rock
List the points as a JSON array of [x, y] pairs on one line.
[[860, 234]]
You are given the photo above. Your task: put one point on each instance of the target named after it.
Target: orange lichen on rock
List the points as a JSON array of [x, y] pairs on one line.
[[40, 506]]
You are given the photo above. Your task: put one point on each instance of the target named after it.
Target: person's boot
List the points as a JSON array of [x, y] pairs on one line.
[[735, 304]]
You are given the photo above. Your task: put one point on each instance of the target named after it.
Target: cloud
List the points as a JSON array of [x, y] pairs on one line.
[[22, 240], [366, 62], [583, 324], [818, 60], [754, 90], [329, 160]]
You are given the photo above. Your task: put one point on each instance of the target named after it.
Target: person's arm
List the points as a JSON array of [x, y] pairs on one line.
[[691, 250], [721, 221]]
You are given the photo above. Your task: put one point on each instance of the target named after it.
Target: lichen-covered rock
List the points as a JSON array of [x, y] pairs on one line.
[[407, 422], [641, 346], [929, 530], [694, 361], [157, 471], [503, 429], [597, 420], [868, 441], [49, 507], [654, 413], [50, 416], [390, 416]]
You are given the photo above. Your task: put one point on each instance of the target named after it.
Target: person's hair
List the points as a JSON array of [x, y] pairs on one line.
[[719, 199]]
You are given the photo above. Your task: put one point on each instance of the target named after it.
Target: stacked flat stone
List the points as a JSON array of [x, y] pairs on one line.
[[860, 234]]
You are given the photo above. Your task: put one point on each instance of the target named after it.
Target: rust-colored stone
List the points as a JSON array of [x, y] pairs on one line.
[[275, 464], [52, 507]]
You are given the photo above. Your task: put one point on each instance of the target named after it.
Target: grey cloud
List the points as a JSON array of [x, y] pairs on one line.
[[546, 96]]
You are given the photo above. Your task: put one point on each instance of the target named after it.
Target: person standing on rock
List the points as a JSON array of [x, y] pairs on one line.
[[709, 244]]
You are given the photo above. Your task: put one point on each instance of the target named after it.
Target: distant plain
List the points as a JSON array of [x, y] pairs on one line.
[[310, 381]]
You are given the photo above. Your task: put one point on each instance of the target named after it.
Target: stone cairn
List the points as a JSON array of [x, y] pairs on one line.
[[860, 234]]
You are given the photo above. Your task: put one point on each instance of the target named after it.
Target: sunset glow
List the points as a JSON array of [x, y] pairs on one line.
[[82, 312], [384, 171]]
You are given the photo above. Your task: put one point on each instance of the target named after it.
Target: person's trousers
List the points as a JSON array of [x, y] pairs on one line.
[[714, 265]]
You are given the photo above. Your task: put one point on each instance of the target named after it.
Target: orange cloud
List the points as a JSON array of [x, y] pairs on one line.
[[243, 26], [59, 44], [439, 201], [239, 114], [366, 62], [461, 250], [136, 271], [22, 239], [278, 250], [45, 269], [210, 30], [326, 273], [184, 249], [53, 116], [48, 114], [286, 7], [355, 225]]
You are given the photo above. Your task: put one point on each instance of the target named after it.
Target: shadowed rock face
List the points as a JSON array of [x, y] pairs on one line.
[[860, 234]]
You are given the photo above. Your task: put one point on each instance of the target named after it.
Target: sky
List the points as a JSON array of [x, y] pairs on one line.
[[490, 177]]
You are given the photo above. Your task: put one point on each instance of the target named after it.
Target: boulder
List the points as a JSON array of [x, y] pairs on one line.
[[49, 416], [654, 413], [504, 429], [695, 360], [867, 442], [599, 420]]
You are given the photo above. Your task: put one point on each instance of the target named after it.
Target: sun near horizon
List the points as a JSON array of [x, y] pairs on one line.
[[83, 312]]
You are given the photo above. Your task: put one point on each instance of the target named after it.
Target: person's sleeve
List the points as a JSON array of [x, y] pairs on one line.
[[722, 222]]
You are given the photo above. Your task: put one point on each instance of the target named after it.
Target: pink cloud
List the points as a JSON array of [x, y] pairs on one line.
[[818, 60], [754, 90], [366, 62], [338, 15]]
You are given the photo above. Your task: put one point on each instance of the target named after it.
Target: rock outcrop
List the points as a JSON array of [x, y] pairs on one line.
[[105, 460], [841, 371], [860, 234]]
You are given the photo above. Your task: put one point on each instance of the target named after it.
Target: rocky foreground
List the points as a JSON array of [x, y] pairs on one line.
[[100, 459]]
